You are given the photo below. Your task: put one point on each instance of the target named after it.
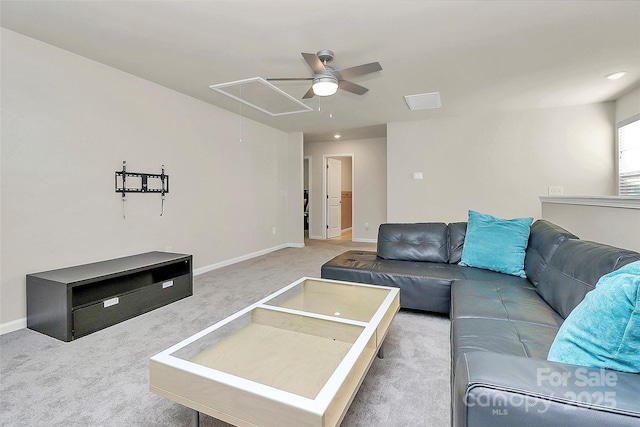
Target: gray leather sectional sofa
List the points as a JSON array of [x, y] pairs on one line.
[[502, 326]]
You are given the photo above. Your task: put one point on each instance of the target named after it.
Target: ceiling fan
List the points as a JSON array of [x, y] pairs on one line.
[[327, 80]]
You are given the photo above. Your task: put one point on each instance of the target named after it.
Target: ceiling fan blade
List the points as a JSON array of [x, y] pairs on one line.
[[309, 93], [314, 63], [284, 79], [359, 70], [352, 87]]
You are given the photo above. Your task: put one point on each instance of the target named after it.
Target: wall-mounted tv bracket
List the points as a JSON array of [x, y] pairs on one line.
[[136, 182]]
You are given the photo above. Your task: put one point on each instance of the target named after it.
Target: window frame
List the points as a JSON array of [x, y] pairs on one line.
[[619, 125]]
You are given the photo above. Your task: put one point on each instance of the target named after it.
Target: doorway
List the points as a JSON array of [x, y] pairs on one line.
[[338, 184]]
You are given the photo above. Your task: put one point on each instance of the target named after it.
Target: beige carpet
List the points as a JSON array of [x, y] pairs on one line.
[[102, 379]]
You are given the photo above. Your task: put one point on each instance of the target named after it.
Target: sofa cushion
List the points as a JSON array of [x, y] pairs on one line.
[[423, 285], [457, 231], [503, 316], [514, 300], [501, 336], [414, 242], [603, 331], [496, 244], [574, 270], [544, 239]]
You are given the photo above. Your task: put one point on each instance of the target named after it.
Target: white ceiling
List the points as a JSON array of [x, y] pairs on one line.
[[480, 55]]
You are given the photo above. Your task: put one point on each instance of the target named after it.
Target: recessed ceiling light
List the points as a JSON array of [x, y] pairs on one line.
[[616, 76], [337, 136]]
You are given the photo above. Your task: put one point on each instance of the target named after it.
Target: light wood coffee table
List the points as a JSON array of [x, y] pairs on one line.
[[295, 358]]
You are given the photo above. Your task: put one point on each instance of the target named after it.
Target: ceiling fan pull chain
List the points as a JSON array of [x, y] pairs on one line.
[[240, 131], [331, 107]]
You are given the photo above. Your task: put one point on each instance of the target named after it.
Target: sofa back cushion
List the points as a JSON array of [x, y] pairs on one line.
[[457, 231], [414, 242], [544, 239], [496, 244], [575, 268]]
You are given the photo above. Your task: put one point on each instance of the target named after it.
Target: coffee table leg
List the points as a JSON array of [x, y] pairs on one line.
[[195, 418], [381, 351]]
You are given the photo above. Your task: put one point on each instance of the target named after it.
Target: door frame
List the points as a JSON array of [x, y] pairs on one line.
[[309, 177], [325, 162], [334, 196]]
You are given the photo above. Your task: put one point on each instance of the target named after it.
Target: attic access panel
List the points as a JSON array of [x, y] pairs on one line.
[[262, 95], [423, 101]]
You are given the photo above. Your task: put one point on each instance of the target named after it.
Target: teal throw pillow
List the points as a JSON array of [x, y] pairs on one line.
[[603, 331], [496, 244]]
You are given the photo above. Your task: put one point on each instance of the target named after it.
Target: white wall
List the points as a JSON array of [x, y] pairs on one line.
[[305, 174], [613, 226], [293, 171], [369, 184], [497, 163], [67, 125], [628, 105]]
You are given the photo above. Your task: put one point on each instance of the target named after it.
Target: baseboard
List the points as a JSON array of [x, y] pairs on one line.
[[231, 261], [355, 239], [347, 229], [12, 326], [360, 240]]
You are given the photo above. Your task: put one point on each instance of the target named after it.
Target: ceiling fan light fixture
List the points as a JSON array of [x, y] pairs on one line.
[[325, 85]]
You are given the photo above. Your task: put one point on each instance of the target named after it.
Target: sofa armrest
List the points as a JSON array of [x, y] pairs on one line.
[[494, 390]]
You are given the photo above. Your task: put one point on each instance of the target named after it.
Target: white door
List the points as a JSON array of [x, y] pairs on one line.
[[334, 197]]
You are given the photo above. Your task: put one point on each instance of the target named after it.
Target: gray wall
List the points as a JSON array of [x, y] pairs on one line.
[[613, 226], [497, 162], [628, 105], [67, 125]]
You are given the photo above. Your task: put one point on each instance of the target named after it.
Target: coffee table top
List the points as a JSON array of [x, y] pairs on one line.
[[296, 348]]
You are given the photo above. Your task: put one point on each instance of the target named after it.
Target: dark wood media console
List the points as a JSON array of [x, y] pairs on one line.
[[72, 302]]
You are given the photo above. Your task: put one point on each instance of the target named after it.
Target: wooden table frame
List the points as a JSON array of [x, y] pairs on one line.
[[245, 402]]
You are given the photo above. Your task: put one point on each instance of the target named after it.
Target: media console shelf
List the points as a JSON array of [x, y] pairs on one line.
[[75, 301]]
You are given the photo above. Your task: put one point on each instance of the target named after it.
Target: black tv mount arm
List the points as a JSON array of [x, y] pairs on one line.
[[141, 185]]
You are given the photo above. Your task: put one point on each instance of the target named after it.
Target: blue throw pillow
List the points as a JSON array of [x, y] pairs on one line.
[[603, 331], [496, 244]]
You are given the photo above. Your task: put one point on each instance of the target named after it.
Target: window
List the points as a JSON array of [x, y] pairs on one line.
[[629, 157]]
